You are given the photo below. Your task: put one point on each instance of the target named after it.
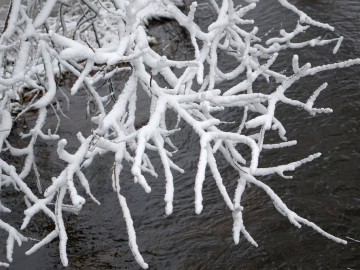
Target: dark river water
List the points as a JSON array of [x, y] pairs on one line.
[[325, 191]]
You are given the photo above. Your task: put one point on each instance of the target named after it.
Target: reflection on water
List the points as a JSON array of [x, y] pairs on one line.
[[325, 191]]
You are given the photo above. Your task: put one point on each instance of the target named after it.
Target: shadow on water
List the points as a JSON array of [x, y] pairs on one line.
[[325, 191]]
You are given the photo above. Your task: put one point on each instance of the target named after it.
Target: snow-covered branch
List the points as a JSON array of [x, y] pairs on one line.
[[93, 41]]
